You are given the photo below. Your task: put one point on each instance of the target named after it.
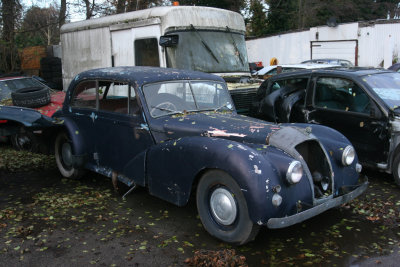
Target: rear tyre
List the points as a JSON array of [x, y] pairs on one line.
[[223, 209], [25, 140], [63, 154]]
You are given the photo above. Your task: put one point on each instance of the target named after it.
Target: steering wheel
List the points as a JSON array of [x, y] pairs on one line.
[[165, 104]]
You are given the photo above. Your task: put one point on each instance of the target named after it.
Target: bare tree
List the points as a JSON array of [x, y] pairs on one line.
[[8, 53], [90, 7], [63, 13]]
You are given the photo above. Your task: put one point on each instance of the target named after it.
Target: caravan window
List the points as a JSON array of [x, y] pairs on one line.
[[146, 52]]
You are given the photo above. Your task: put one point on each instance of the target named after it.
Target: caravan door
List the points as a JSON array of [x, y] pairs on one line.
[[137, 46]]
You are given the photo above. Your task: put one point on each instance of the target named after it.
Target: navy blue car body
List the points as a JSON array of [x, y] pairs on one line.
[[176, 132]]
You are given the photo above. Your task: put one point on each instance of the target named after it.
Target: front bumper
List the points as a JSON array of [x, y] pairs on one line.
[[275, 223]]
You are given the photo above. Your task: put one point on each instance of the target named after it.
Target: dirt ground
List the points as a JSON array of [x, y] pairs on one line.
[[46, 220]]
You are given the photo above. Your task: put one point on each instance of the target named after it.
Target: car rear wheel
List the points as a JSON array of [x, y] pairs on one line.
[[223, 209], [25, 140], [396, 169], [64, 159]]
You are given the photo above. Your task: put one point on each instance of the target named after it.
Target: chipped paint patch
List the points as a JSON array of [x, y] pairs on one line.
[[254, 128], [257, 170], [241, 147], [93, 116], [267, 185], [217, 132]]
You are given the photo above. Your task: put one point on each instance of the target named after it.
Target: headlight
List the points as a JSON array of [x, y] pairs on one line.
[[294, 172], [348, 155]]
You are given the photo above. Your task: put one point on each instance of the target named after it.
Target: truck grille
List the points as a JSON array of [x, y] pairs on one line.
[[243, 99]]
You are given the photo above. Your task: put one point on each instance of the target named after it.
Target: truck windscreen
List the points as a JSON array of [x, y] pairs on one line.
[[209, 51]]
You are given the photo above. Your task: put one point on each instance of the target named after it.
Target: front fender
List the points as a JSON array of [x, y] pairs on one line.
[[173, 166], [78, 143]]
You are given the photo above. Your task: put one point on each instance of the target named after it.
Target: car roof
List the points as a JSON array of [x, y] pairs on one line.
[[142, 75], [296, 66], [344, 71], [7, 78]]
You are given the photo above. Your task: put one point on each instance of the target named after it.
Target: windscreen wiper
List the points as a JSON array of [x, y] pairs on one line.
[[234, 45], [204, 43], [223, 106], [168, 110]]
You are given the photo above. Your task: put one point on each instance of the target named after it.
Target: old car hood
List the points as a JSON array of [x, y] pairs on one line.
[[214, 124]]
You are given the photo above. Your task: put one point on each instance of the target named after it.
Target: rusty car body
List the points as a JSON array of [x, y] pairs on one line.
[[361, 103], [177, 132]]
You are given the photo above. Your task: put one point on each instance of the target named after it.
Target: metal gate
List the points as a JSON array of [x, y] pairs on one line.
[[341, 49]]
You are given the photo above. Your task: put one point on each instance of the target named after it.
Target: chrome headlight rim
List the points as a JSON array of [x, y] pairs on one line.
[[294, 172], [348, 155]]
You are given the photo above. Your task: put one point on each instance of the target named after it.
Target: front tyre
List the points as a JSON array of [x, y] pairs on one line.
[[223, 209], [63, 154], [396, 169]]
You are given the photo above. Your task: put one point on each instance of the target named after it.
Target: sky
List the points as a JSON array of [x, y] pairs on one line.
[[74, 15]]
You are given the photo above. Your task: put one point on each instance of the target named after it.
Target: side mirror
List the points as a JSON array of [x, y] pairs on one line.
[[168, 40]]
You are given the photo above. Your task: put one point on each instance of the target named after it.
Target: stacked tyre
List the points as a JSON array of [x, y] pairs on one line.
[[51, 71]]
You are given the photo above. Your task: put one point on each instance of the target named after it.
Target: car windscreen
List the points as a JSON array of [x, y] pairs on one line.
[[8, 86], [186, 96], [386, 86]]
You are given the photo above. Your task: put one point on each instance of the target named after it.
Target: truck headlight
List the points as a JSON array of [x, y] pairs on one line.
[[348, 155], [294, 172]]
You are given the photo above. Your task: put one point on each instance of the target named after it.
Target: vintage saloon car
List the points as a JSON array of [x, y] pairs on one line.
[[176, 132], [361, 103]]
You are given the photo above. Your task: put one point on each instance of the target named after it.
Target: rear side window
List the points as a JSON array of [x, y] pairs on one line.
[[112, 97], [146, 52], [84, 95]]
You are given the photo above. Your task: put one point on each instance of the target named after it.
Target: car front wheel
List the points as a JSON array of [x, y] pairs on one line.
[[63, 154], [396, 169], [223, 209]]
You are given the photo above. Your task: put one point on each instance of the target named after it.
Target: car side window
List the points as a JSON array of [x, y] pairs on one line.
[[84, 95], [295, 83], [113, 97], [340, 94]]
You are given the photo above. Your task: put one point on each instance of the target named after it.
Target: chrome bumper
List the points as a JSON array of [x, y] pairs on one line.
[[275, 223]]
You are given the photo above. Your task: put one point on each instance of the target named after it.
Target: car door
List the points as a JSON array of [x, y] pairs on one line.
[[345, 105], [121, 132]]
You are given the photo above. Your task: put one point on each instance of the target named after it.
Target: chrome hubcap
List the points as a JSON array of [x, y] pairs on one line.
[[223, 206], [66, 153]]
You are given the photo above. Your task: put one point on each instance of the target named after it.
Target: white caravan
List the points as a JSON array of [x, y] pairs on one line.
[[184, 37]]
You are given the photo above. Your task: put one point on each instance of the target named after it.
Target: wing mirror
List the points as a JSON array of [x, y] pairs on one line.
[[168, 40]]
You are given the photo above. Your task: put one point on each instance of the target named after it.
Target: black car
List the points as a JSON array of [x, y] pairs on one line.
[[177, 133], [361, 103]]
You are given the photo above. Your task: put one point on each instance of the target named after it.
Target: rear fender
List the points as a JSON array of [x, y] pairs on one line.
[[29, 118]]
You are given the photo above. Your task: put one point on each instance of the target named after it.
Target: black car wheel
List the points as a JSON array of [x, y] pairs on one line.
[[63, 154], [223, 209], [396, 169], [25, 140]]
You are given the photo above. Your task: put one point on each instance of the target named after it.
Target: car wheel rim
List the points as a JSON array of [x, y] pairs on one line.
[[398, 168], [223, 206], [23, 141], [66, 154]]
